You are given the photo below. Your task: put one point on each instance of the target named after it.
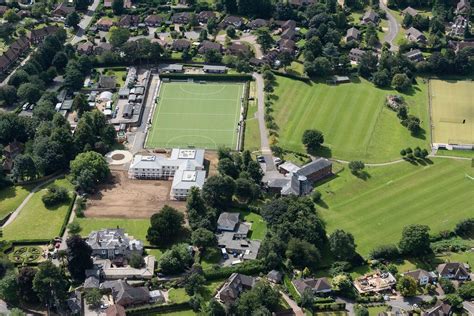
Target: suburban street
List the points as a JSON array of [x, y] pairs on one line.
[[393, 27], [85, 21]]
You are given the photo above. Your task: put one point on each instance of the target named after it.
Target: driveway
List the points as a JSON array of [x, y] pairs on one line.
[[393, 27], [296, 309], [248, 38], [84, 24]]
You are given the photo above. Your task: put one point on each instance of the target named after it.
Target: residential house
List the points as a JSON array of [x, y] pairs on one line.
[[207, 46], [275, 276], [375, 282], [14, 51], [416, 36], [204, 16], [10, 152], [104, 23], [127, 4], [102, 47], [317, 286], [415, 55], [290, 24], [256, 62], [115, 310], [63, 10], [126, 295], [107, 82], [38, 35], [107, 3], [24, 14], [113, 243], [3, 9], [181, 18], [235, 285], [214, 69], [231, 20], [227, 221], [355, 54], [154, 20], [287, 45], [180, 45], [458, 27], [85, 48], [185, 166], [442, 309], [352, 34], [129, 21], [173, 68], [409, 11], [423, 277], [289, 33], [457, 45], [463, 7], [453, 270], [257, 23], [370, 17], [238, 49], [118, 270]]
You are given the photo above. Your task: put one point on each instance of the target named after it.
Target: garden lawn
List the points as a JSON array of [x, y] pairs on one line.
[[178, 295], [259, 226], [35, 221], [456, 153], [376, 210], [356, 123], [12, 197], [134, 227]]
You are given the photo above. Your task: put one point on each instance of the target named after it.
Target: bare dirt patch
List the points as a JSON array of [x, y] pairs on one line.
[[128, 198], [118, 156], [211, 161]]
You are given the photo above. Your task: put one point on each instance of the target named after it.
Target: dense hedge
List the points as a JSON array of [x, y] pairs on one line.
[[68, 214], [291, 76], [158, 309], [330, 307], [249, 268], [208, 77]]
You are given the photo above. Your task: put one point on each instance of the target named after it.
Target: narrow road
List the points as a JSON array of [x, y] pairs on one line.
[[393, 27], [19, 208], [84, 24], [296, 309]]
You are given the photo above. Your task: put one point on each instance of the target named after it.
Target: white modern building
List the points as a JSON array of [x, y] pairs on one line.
[[184, 166]]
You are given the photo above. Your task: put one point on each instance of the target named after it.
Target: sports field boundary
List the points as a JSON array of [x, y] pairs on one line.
[[208, 77]]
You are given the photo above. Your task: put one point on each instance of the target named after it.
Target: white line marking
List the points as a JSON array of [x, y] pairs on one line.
[[197, 99], [196, 129], [193, 114]]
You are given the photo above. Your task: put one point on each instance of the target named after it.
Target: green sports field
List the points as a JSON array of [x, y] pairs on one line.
[[353, 117], [193, 114], [376, 210], [452, 111]]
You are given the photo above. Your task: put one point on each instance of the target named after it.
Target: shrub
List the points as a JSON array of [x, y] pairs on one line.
[[316, 196], [54, 196], [136, 261], [389, 251], [465, 228]]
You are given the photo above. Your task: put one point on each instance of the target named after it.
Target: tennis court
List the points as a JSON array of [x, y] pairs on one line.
[[452, 111], [203, 115]]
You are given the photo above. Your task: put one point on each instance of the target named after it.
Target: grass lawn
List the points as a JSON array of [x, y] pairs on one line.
[[466, 257], [296, 158], [155, 252], [180, 313], [353, 117], [134, 227], [12, 197], [376, 210], [193, 114], [178, 295], [35, 221], [119, 74], [252, 130], [211, 257], [456, 153], [375, 310], [259, 226]]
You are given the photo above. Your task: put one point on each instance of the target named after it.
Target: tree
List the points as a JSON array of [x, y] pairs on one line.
[[118, 36], [303, 254], [465, 228], [54, 196], [307, 299], [218, 190], [466, 291], [227, 167], [8, 94], [50, 284], [230, 31], [262, 297], [24, 167], [245, 189], [16, 312], [342, 245], [447, 285], [312, 139], [407, 286], [175, 260], [80, 104], [93, 297], [203, 35], [454, 300], [74, 228], [401, 82], [29, 92], [381, 78], [361, 310], [264, 39], [88, 169], [8, 288], [285, 58], [193, 283], [117, 7], [73, 77], [81, 4], [385, 252], [367, 64], [165, 226], [214, 308], [316, 196], [79, 257], [415, 240], [73, 19], [203, 238], [136, 261], [10, 16], [356, 166], [212, 56], [342, 285]]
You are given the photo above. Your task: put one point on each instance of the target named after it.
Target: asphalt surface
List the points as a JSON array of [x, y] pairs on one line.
[[393, 27], [85, 22]]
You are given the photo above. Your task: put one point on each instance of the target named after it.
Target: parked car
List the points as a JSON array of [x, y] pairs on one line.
[[260, 159]]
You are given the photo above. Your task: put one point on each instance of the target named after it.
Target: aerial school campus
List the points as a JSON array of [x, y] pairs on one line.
[[287, 158]]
